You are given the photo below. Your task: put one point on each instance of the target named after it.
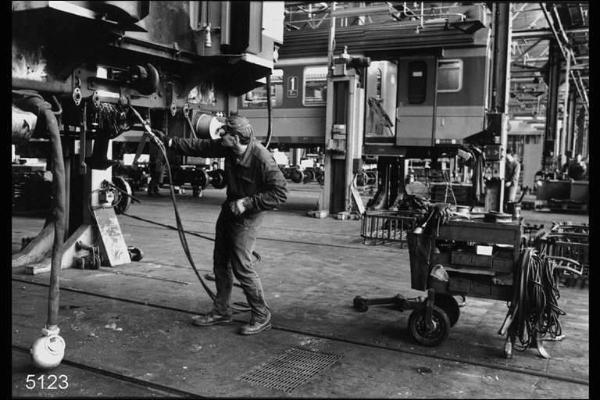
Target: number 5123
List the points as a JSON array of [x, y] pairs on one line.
[[49, 382]]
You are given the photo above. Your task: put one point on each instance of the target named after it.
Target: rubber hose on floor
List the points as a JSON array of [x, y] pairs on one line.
[[180, 229]]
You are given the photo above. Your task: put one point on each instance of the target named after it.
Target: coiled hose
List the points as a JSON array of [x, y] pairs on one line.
[[535, 300]]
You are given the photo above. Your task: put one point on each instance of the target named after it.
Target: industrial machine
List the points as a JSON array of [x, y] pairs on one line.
[[85, 73]]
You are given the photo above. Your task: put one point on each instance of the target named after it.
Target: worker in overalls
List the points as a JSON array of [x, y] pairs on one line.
[[254, 184], [512, 169]]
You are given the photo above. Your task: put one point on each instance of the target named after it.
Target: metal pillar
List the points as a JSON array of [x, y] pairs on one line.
[[565, 117], [501, 80], [571, 138], [550, 135]]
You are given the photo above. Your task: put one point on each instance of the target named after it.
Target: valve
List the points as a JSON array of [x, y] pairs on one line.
[[48, 350]]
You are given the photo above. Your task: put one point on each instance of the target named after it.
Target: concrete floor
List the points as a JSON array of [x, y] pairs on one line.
[[128, 330]]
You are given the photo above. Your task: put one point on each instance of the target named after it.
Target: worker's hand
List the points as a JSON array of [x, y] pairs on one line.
[[237, 207], [508, 184]]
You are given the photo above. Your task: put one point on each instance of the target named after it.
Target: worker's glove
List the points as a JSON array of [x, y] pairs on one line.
[[238, 207]]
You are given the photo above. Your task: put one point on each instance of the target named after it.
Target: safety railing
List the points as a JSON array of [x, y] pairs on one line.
[[380, 227], [571, 242]]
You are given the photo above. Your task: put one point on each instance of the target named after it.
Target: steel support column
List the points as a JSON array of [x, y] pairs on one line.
[[565, 117], [501, 80], [572, 133], [550, 134]]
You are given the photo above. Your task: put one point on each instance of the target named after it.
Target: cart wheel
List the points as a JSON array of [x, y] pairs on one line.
[[418, 328], [360, 304], [449, 305]]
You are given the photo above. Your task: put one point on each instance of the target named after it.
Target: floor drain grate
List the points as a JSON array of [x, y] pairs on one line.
[[290, 369]]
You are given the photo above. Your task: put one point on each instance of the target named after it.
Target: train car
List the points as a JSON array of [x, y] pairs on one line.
[[426, 87], [298, 99]]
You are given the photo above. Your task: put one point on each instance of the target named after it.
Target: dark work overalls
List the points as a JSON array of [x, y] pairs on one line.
[[253, 175]]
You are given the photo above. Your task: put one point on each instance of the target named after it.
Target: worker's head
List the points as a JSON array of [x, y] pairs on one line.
[[510, 154], [578, 158], [236, 131]]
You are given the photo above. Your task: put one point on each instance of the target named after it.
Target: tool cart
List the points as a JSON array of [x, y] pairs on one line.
[[459, 258], [483, 258]]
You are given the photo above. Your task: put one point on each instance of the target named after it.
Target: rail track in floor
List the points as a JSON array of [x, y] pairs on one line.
[[203, 235], [507, 368]]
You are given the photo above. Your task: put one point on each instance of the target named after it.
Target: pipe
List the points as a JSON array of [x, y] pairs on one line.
[[37, 249], [33, 102]]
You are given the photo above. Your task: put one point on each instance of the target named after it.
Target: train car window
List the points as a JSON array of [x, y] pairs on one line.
[[315, 86], [378, 84], [417, 82], [257, 98], [450, 74]]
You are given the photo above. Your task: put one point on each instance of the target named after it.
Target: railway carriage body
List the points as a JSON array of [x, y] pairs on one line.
[[430, 82], [299, 100]]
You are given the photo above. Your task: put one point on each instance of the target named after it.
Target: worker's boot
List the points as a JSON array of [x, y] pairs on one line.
[[211, 318], [256, 326]]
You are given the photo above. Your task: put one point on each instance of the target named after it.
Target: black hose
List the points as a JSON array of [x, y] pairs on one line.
[[180, 230], [58, 183], [536, 300]]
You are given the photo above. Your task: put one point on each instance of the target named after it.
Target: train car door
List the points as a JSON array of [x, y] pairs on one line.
[[461, 94], [380, 110], [415, 101]]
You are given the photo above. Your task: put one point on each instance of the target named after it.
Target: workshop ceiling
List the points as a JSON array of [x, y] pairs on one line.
[[534, 26]]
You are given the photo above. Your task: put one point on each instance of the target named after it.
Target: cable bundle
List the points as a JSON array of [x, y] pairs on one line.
[[535, 302]]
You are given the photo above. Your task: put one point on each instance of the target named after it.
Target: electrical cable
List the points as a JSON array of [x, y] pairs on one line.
[[535, 303], [254, 253]]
